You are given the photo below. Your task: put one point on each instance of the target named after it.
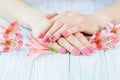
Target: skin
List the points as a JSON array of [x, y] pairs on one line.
[[74, 22], [56, 24]]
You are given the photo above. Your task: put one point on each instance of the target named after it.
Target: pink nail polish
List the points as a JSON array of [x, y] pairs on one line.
[[46, 39], [76, 51], [53, 38], [86, 51], [91, 49], [40, 35], [65, 34], [62, 50]]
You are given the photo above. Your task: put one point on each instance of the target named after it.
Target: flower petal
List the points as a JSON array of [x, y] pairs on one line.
[[37, 43]]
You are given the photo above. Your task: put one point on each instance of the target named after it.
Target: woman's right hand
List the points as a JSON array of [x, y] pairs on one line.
[[27, 16]]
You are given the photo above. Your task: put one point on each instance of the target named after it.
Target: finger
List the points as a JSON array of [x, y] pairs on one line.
[[50, 16], [67, 26], [57, 47], [78, 44], [63, 14], [73, 30], [41, 29], [80, 25], [65, 44], [57, 25], [84, 40], [58, 33]]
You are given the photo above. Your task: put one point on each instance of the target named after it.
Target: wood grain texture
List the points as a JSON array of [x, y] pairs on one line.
[[16, 65]]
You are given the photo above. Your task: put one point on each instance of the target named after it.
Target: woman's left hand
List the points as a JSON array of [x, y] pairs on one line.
[[68, 23]]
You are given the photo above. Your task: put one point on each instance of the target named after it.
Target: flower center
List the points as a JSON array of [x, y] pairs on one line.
[[7, 42], [97, 41], [9, 30], [113, 30]]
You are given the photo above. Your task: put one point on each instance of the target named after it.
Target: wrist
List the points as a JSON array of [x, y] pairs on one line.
[[27, 17], [105, 16], [102, 19]]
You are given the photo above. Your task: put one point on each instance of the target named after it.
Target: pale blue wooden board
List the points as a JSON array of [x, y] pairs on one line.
[[101, 65], [51, 67]]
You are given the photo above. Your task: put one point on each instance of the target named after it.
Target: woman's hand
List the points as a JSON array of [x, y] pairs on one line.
[[73, 44], [69, 23]]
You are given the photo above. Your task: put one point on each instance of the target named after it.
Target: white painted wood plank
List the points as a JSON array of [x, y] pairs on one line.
[[99, 66], [16, 66], [24, 67], [51, 67]]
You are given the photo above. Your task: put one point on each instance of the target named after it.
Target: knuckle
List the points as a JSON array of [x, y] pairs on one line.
[[68, 24], [74, 29], [50, 32], [57, 34], [59, 22], [70, 30]]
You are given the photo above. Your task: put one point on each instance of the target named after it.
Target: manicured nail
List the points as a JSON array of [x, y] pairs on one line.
[[46, 39], [40, 35], [75, 51], [62, 50], [65, 33], [86, 51], [53, 38], [91, 48]]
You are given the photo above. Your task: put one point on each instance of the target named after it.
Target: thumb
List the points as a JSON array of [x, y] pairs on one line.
[[50, 16]]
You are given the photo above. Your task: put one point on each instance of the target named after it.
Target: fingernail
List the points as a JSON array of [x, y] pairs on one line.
[[76, 51], [65, 33], [91, 48], [53, 38], [62, 50], [40, 35], [85, 51], [46, 39]]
